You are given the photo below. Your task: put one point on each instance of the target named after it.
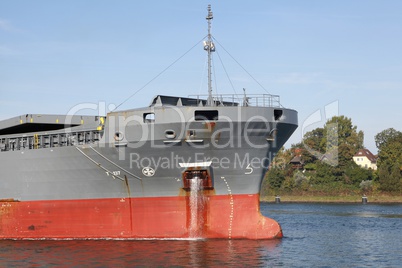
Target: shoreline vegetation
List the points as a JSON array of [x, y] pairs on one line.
[[331, 164], [383, 199]]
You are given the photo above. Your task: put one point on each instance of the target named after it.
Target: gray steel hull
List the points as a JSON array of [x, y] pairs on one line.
[[94, 171]]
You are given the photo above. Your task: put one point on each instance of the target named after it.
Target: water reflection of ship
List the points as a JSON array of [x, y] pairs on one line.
[[230, 253], [144, 253], [133, 173]]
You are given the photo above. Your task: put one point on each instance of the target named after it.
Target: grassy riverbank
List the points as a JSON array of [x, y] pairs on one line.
[[334, 199]]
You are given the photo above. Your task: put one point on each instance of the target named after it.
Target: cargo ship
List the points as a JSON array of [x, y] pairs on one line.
[[180, 168]]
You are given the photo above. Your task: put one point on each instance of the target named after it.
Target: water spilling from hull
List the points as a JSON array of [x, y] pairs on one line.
[[197, 204]]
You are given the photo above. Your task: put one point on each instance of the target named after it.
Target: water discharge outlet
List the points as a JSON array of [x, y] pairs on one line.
[[206, 182], [197, 184]]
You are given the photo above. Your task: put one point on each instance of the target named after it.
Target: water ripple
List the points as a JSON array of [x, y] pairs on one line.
[[316, 235]]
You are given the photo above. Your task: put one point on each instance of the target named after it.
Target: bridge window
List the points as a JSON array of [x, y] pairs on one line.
[[277, 114], [206, 115]]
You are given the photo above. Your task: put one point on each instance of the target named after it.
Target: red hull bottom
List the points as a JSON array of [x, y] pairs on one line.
[[236, 216]]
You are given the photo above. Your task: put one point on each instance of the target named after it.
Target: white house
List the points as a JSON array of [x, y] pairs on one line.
[[365, 159]]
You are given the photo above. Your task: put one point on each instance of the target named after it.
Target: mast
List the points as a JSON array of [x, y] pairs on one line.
[[209, 47]]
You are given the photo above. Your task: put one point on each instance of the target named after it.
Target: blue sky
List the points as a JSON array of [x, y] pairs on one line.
[[345, 55]]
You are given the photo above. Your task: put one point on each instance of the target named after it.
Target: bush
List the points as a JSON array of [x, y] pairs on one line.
[[355, 174], [366, 186], [276, 177]]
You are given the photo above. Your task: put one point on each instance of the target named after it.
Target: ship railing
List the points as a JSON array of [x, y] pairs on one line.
[[38, 141], [259, 100]]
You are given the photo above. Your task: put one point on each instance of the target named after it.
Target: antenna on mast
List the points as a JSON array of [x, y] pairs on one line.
[[209, 47]]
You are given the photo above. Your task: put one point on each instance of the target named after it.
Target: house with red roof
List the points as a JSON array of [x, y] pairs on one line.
[[365, 159]]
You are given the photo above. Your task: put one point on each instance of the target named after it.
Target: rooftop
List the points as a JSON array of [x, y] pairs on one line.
[[366, 153]]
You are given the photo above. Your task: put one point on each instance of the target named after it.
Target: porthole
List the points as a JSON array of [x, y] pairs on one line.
[[118, 136], [170, 134]]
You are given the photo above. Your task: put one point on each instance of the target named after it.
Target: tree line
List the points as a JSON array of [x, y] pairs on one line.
[[324, 163]]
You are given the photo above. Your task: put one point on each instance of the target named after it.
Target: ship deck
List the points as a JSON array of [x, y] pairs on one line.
[[34, 131]]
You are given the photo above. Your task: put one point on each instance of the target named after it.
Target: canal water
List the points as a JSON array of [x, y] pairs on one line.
[[316, 235]]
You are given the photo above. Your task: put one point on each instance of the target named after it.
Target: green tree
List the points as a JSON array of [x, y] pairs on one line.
[[312, 141], [282, 158], [337, 142], [301, 181], [324, 174], [390, 182], [382, 138], [329, 151], [275, 178], [341, 136], [389, 143], [354, 174]]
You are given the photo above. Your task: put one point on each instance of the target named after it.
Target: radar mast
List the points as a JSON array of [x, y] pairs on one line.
[[209, 47]]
